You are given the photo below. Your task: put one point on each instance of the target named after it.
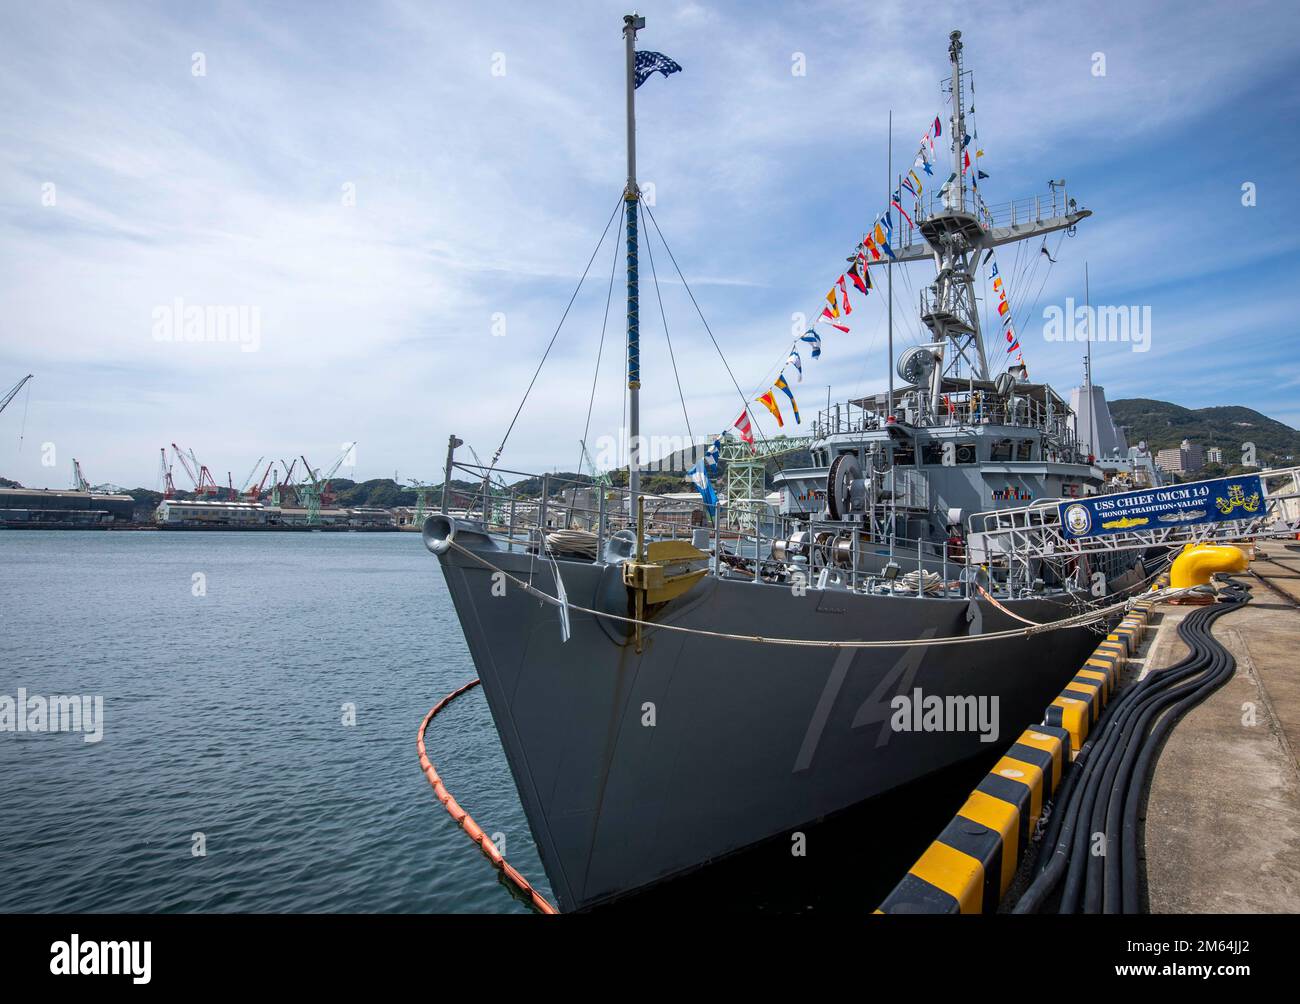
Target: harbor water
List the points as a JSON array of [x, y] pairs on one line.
[[224, 716], [227, 664]]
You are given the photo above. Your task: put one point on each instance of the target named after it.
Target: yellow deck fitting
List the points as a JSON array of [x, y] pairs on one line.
[[1200, 561]]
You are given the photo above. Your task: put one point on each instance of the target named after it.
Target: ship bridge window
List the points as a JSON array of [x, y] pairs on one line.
[[1001, 451], [962, 452], [904, 455], [1025, 451]]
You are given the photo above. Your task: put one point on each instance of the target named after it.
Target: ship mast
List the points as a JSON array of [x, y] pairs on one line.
[[955, 236], [631, 23], [953, 232], [958, 120]]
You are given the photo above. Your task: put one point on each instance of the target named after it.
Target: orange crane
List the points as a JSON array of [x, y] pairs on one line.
[[204, 483], [255, 494]]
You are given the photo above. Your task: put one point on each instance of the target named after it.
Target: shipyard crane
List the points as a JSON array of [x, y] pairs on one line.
[[165, 474], [204, 483], [317, 489], [185, 465], [79, 483], [285, 482], [12, 392], [243, 487], [422, 493], [601, 479], [493, 490], [746, 487], [255, 494]]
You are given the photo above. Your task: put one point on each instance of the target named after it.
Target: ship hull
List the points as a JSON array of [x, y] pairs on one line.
[[635, 767]]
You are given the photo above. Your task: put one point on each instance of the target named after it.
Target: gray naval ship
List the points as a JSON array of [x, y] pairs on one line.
[[668, 695]]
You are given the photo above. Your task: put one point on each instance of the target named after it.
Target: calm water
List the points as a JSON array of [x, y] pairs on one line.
[[223, 716]]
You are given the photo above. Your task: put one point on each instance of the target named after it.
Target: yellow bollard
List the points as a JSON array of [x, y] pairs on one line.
[[1199, 561]]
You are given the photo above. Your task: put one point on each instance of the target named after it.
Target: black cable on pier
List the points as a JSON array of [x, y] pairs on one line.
[[1106, 787]]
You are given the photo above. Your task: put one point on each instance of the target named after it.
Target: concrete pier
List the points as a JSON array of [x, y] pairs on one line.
[[1223, 816]]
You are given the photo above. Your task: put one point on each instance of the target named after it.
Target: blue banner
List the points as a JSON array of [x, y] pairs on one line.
[[1217, 501]]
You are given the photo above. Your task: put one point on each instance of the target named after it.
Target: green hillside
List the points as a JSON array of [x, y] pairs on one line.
[[1165, 425]]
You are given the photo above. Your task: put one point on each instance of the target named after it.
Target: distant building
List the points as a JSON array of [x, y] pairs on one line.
[[1214, 455], [42, 507], [371, 517], [580, 507], [674, 510], [198, 512], [1184, 459]]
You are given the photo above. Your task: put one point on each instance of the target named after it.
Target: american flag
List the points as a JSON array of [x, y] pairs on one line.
[[651, 62]]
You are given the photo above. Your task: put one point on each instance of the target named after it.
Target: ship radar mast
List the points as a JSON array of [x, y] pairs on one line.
[[954, 228]]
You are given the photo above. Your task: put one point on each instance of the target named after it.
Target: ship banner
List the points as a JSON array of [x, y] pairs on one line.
[[1219, 501]]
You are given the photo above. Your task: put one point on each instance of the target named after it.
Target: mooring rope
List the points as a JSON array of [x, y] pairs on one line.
[[1010, 613], [1079, 620], [464, 820]]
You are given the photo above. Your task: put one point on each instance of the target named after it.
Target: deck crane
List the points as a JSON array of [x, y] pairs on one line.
[[317, 488]]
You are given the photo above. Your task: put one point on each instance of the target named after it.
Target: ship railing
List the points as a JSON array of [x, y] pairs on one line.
[[1017, 212], [1025, 211], [1032, 209], [846, 417], [1024, 536], [963, 409], [564, 502], [829, 553], [814, 554], [975, 407]]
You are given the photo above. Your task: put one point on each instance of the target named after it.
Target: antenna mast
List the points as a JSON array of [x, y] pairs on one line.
[[889, 174], [1087, 368], [955, 236]]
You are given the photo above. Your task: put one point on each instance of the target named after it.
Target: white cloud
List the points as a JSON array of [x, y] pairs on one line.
[[478, 195]]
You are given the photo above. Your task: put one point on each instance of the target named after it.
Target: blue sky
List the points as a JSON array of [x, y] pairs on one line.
[[479, 198]]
